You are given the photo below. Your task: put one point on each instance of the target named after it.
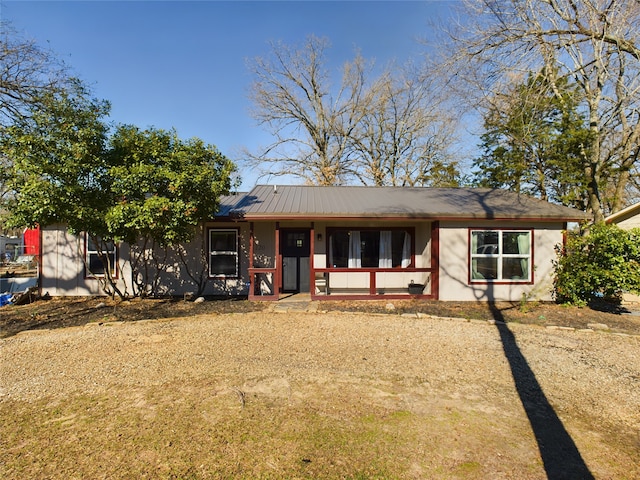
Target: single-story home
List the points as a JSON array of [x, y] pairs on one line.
[[626, 218], [347, 242]]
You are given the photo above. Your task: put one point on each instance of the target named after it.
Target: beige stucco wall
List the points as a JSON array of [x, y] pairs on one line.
[[63, 272], [63, 268], [629, 223], [454, 264]]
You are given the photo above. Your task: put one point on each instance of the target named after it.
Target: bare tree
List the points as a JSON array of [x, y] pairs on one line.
[[385, 130], [405, 135], [595, 44], [26, 72], [293, 100]]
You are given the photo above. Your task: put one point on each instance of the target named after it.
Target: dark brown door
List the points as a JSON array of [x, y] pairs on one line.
[[295, 250]]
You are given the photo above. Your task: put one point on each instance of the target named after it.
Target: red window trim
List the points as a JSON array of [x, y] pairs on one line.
[[471, 281], [411, 230]]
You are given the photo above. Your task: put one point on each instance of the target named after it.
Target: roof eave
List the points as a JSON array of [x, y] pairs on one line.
[[396, 217]]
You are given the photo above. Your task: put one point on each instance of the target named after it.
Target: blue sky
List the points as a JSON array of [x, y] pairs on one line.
[[183, 64]]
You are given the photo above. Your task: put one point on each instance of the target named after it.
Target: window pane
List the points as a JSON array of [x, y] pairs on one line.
[[486, 268], [515, 242], [223, 265], [223, 241], [485, 243], [91, 245], [339, 254], [505, 249], [370, 247], [515, 268], [397, 244], [96, 266]]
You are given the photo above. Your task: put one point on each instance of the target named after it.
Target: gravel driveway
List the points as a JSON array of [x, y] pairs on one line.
[[576, 391]]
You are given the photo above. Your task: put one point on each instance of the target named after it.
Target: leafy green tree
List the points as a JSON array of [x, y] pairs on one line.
[[603, 263], [533, 142], [147, 188], [58, 172], [164, 188]]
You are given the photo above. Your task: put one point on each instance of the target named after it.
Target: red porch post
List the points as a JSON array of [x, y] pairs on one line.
[[435, 260], [312, 266], [277, 281], [252, 287]]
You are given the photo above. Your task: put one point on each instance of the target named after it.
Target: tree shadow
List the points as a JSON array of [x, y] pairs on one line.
[[560, 455]]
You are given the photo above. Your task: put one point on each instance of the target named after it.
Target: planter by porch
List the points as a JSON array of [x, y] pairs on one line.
[[416, 288]]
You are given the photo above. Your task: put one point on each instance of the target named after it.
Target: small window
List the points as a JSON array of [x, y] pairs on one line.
[[95, 262], [500, 255], [223, 253]]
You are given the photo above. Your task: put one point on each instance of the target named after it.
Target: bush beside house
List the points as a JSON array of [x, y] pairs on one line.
[[603, 264]]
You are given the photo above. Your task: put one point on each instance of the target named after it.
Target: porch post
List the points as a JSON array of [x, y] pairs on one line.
[[312, 266], [278, 260], [252, 287], [435, 260]]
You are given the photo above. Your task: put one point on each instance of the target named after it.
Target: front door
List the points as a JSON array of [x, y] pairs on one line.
[[295, 252]]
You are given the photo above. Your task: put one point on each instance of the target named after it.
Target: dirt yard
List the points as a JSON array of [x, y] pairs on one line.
[[67, 312], [235, 390]]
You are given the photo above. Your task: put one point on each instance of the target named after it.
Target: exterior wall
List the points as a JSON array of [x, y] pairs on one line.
[[630, 222], [63, 271], [454, 264], [63, 268], [264, 248]]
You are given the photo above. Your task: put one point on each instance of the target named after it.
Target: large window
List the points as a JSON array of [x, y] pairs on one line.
[[370, 248], [223, 253], [95, 261], [501, 255]]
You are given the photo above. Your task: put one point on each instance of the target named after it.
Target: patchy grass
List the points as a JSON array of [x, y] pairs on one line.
[[174, 432], [343, 421]]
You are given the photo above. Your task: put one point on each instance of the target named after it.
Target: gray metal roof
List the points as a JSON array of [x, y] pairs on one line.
[[226, 203], [309, 202]]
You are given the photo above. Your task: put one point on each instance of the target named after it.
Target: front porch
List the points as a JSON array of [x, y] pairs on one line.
[[308, 270]]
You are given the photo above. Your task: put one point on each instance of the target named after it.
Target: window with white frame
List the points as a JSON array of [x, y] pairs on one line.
[[223, 253], [97, 254], [369, 248], [500, 255]]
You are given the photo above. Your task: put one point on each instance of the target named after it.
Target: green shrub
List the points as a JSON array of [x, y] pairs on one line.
[[603, 264]]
